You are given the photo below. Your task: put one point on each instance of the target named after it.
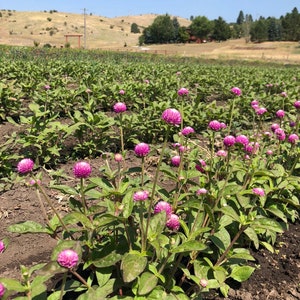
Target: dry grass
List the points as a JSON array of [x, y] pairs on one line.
[[25, 28]]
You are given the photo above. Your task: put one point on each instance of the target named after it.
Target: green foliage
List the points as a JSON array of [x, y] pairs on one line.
[[124, 248]]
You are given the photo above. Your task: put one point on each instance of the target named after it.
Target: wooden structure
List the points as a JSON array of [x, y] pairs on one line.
[[73, 35]]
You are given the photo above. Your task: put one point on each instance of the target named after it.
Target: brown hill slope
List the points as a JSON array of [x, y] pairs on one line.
[[25, 28]]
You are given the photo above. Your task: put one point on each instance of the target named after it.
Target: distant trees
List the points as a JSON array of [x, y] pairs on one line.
[[165, 29], [135, 28]]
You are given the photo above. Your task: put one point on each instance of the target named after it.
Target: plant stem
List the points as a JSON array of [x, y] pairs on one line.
[[223, 256], [82, 280], [63, 286], [154, 186]]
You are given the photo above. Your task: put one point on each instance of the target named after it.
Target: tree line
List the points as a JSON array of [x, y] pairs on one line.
[[165, 29]]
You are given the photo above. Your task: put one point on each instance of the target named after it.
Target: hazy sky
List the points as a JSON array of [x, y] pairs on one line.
[[212, 9]]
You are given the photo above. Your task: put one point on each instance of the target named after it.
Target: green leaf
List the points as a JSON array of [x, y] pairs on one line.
[[221, 239], [132, 265], [228, 210], [55, 295], [156, 225], [268, 224], [267, 246], [189, 246], [65, 189], [29, 227], [127, 204], [77, 217], [13, 285], [252, 235], [241, 273], [147, 283], [109, 260]]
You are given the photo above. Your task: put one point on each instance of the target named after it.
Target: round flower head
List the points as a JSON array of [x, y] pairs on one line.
[[68, 258], [280, 134], [274, 127], [121, 92], [260, 111], [236, 91], [175, 160], [203, 282], [2, 289], [221, 153], [25, 165], [292, 124], [119, 107], [258, 191], [297, 104], [82, 169], [242, 139], [183, 92], [280, 113], [269, 152], [47, 87], [173, 222], [2, 247], [229, 140], [118, 157], [283, 94], [163, 206], [34, 182], [215, 125], [140, 196], [254, 103], [223, 125], [187, 130], [171, 116], [141, 149], [252, 147], [201, 191], [200, 167], [293, 138]]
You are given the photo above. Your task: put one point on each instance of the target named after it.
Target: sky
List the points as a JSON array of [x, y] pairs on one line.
[[212, 9]]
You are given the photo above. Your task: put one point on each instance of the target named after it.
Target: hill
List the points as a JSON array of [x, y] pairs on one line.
[[50, 27]]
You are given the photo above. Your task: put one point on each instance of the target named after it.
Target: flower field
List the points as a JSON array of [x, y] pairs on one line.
[[172, 171]]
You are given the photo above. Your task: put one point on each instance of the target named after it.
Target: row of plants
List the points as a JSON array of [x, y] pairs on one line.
[[230, 156]]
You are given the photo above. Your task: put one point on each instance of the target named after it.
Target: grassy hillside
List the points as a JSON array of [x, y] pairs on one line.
[[24, 28]]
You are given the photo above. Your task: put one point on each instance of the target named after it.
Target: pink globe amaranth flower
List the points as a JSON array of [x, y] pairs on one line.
[[173, 222], [297, 104], [68, 258], [280, 113], [203, 282], [280, 134], [223, 125], [254, 103], [182, 148], [293, 138], [121, 92], [141, 149], [283, 94], [163, 206], [34, 182], [187, 130], [200, 167], [46, 87], [2, 246], [221, 153], [88, 91], [120, 107], [201, 191], [183, 92], [2, 289], [175, 161], [140, 196], [25, 165], [229, 140], [176, 145], [260, 111], [171, 116], [82, 169], [267, 133], [178, 73], [237, 91], [269, 152], [252, 147], [215, 125], [147, 81], [118, 157], [292, 124], [242, 139], [274, 127], [258, 191]]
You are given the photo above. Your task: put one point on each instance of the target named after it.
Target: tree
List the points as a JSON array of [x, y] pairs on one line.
[[274, 29], [259, 31], [160, 31], [241, 18], [176, 26], [221, 30], [291, 26], [201, 27], [135, 28], [183, 35]]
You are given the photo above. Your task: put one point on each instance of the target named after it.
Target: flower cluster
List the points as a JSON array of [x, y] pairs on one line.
[[141, 149], [120, 107], [237, 91], [82, 169], [25, 165], [171, 116], [68, 258], [183, 92], [140, 196]]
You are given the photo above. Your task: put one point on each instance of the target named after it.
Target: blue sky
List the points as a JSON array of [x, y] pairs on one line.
[[212, 9]]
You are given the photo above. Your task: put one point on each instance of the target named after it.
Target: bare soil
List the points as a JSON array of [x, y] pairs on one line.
[[277, 276]]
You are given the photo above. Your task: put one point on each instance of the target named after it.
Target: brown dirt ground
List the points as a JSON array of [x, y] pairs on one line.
[[277, 276]]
